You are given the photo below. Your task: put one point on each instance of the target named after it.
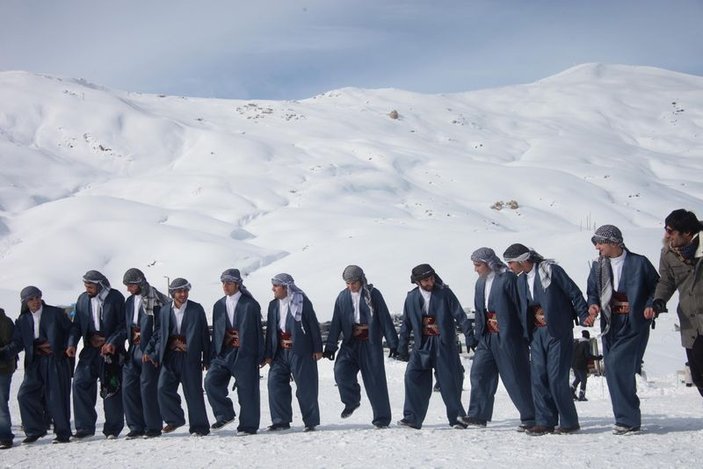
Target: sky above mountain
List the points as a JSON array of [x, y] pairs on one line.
[[294, 49]]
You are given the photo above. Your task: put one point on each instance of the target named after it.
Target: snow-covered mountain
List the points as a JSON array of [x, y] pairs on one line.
[[94, 178]]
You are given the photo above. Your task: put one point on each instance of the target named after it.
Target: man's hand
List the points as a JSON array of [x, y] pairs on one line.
[[107, 349], [649, 313], [148, 359], [267, 361], [97, 341], [316, 356], [593, 311], [71, 352], [328, 354], [659, 307], [45, 348]]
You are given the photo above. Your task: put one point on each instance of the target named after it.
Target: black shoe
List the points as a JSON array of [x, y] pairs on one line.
[[221, 423], [539, 430], [522, 428], [459, 425], [80, 434], [111, 436], [134, 434], [309, 428], [198, 434], [473, 422], [407, 423], [32, 439], [277, 427], [380, 426], [348, 410], [152, 434], [245, 433], [60, 439], [582, 398], [5, 444], [567, 430]]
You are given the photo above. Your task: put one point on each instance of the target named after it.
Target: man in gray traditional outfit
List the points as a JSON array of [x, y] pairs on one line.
[[293, 347], [431, 314], [362, 318], [502, 348], [550, 301], [182, 346], [237, 351], [99, 321], [140, 379], [621, 288], [41, 331]]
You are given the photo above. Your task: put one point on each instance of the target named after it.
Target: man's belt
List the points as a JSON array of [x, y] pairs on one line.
[[492, 322], [619, 304], [360, 331], [37, 347], [232, 338], [429, 326], [537, 315], [96, 340], [136, 335], [285, 340], [177, 343]]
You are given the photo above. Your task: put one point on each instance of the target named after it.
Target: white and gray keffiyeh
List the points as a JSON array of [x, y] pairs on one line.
[[354, 273], [544, 266], [488, 256], [296, 294], [93, 276]]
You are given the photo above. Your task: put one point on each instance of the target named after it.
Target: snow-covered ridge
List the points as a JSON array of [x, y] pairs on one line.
[[95, 178]]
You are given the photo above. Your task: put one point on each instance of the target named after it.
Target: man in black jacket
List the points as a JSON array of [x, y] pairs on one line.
[[582, 355]]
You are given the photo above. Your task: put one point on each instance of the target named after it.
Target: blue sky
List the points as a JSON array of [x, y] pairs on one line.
[[292, 49]]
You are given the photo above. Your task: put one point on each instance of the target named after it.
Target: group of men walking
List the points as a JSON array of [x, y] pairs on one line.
[[142, 348]]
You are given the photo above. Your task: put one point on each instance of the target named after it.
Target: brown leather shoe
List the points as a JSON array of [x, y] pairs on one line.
[[539, 430], [168, 428]]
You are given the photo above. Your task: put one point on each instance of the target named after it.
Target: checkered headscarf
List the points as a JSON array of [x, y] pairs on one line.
[[488, 256], [608, 234]]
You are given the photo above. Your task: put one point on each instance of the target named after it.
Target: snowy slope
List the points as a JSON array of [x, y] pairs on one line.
[[94, 178], [104, 179]]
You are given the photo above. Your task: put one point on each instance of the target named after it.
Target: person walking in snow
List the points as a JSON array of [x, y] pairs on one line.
[[237, 350], [550, 301], [431, 314], [293, 347], [502, 349], [182, 347], [681, 268], [361, 317], [140, 378], [621, 288], [99, 321], [579, 364]]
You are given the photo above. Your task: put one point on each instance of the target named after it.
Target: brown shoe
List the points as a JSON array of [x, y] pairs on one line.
[[169, 428], [567, 430], [539, 430]]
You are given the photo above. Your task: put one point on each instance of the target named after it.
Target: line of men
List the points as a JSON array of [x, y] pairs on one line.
[[526, 307]]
